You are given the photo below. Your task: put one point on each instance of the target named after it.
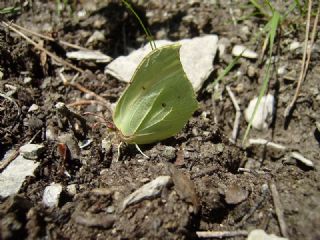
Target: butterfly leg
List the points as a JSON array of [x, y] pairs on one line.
[[139, 150]]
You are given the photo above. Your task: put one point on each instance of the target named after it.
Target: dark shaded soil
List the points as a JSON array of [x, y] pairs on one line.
[[201, 161]]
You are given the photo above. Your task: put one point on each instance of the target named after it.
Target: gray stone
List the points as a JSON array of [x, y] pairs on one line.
[[31, 151], [196, 55], [72, 189], [259, 234], [237, 50], [51, 195], [235, 194], [89, 55], [264, 114], [33, 108], [13, 176], [147, 191]]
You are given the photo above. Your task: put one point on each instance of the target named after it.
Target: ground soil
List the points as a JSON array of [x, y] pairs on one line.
[[201, 161]]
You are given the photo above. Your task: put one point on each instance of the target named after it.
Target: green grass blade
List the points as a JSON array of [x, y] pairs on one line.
[[8, 10], [273, 26], [274, 23], [259, 7], [261, 93], [225, 71], [147, 32]]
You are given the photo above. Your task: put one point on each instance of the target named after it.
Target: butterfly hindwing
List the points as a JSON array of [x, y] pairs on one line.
[[158, 101]]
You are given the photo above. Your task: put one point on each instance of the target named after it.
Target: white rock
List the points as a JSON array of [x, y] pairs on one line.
[[51, 195], [294, 45], [196, 55], [149, 190], [33, 108], [246, 53], [89, 55], [13, 176], [264, 115], [72, 189], [259, 234], [302, 159], [96, 36], [1, 75], [223, 44], [282, 70], [31, 151], [27, 80]]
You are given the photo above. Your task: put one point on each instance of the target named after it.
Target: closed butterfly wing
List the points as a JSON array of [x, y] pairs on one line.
[[158, 101]]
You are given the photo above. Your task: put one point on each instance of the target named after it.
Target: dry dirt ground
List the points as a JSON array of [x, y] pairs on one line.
[[203, 164]]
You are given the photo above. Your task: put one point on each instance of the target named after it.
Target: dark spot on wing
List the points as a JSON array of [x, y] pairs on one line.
[[179, 97], [163, 105], [143, 88]]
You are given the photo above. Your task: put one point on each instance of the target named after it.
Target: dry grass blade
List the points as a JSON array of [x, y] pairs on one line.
[[47, 37], [306, 58], [36, 45]]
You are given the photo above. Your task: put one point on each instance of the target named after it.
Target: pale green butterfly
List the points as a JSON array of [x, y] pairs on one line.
[[158, 101]]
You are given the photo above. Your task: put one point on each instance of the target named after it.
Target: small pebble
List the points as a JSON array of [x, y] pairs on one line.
[[85, 143], [147, 191], [264, 114], [51, 195], [237, 50], [51, 133], [169, 152], [27, 80], [72, 189], [235, 194], [282, 70], [106, 145], [251, 71], [302, 159], [259, 234], [33, 108], [94, 220], [97, 36], [294, 45], [110, 209], [72, 144]]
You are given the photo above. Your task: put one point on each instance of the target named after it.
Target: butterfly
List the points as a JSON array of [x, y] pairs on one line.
[[158, 101]]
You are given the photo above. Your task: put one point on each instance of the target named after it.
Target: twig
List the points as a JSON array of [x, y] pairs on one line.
[[237, 117], [302, 159], [36, 45], [47, 37], [260, 141], [81, 88], [305, 59], [221, 234], [252, 171], [264, 190], [4, 163], [34, 137], [206, 171], [279, 210], [85, 102]]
